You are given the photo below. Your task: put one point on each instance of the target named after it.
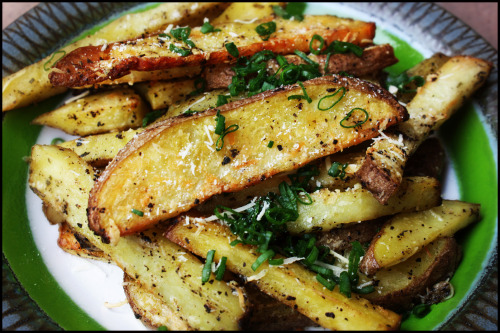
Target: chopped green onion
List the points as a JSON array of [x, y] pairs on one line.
[[220, 123], [263, 257], [137, 212], [189, 111], [207, 27], [365, 290], [313, 255], [421, 310], [183, 52], [344, 47], [220, 141], [276, 262], [293, 10], [321, 44], [207, 269], [199, 85], [266, 29], [162, 328], [402, 80], [326, 63], [305, 96], [164, 36], [358, 123], [152, 116], [345, 284], [334, 170], [270, 144], [327, 283], [219, 273], [232, 49], [52, 57], [354, 256], [56, 141], [332, 95], [221, 100], [305, 58], [183, 34]]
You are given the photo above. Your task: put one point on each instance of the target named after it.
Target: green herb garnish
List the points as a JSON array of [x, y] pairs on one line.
[[305, 96], [232, 49], [207, 268], [52, 57], [207, 27], [266, 29], [137, 212], [56, 141], [356, 123], [342, 89]]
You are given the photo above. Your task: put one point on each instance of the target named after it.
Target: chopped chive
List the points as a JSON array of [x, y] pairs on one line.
[[162, 328], [344, 47], [52, 57], [305, 58], [334, 170], [207, 27], [56, 141], [263, 257], [181, 51], [345, 284], [220, 123], [137, 212], [270, 144], [365, 290], [232, 49], [358, 123], [332, 95], [221, 100], [219, 273], [266, 29], [313, 255], [276, 262], [152, 116], [207, 269], [327, 283], [220, 139], [321, 44], [305, 96]]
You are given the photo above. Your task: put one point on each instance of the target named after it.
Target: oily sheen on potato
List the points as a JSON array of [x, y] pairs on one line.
[[173, 166]]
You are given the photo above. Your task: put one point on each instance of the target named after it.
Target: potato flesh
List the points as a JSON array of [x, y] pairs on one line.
[[108, 111], [407, 233], [183, 168], [147, 257], [292, 284], [331, 209]]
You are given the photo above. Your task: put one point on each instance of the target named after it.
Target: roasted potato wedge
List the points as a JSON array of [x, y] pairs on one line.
[[332, 209], [246, 11], [407, 233], [292, 284], [402, 286], [107, 111], [31, 84], [442, 94], [180, 153], [60, 177], [93, 64], [76, 244], [163, 94]]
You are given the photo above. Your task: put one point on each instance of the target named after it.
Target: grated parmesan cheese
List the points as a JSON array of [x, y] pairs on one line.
[[72, 99], [258, 276], [115, 305]]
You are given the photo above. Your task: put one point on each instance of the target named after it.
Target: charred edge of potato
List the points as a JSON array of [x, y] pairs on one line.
[[418, 290], [145, 136], [74, 243]]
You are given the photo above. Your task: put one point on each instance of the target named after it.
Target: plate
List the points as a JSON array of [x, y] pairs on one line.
[[61, 291]]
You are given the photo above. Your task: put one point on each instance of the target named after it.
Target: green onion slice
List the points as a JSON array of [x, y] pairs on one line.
[[263, 257], [305, 96], [219, 273], [207, 269], [266, 29], [232, 49], [327, 283], [137, 212], [181, 51], [56, 141], [207, 27], [321, 44], [356, 123], [334, 102], [270, 144], [345, 284]]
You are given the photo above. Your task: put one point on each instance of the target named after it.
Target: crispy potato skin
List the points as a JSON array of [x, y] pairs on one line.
[[374, 59], [76, 244], [90, 65], [401, 285], [101, 214]]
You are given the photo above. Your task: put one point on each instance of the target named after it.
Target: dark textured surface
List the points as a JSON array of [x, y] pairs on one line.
[[47, 26]]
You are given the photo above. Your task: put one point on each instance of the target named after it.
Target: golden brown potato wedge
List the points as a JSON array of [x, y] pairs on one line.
[[31, 84], [407, 233], [107, 111], [246, 11], [76, 244], [442, 94], [59, 176], [180, 153], [93, 64], [403, 285], [332, 209], [163, 94], [291, 284]]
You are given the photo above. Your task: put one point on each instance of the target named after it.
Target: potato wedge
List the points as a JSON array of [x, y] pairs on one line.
[[31, 84], [373, 60], [382, 169], [291, 284], [407, 233], [180, 153], [93, 64], [60, 177], [163, 94], [401, 286], [75, 244], [332, 209], [107, 111]]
